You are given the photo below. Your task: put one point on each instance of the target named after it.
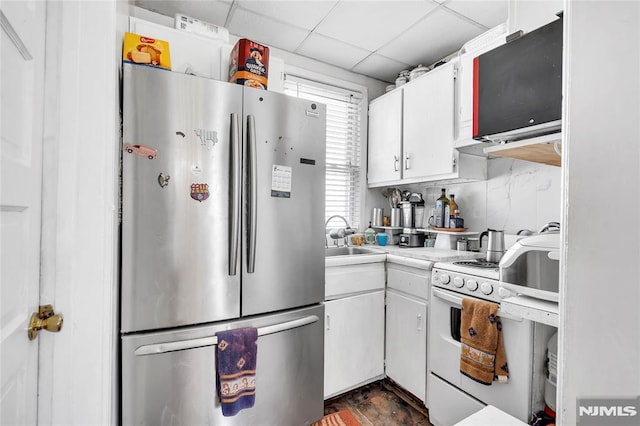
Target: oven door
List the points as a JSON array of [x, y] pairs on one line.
[[444, 356]]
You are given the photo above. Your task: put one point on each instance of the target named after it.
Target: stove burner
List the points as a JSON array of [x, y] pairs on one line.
[[478, 263]]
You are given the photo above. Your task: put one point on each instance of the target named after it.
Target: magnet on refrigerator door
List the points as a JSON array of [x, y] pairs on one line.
[[199, 191]]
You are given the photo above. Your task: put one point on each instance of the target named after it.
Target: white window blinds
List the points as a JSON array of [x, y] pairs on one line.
[[344, 134]]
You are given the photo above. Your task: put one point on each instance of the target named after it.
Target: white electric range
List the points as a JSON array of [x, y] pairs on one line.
[[452, 395]]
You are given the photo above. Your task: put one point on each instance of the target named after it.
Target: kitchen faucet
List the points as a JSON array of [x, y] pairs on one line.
[[336, 234]]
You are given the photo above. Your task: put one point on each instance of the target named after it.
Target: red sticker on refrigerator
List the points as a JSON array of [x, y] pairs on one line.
[[199, 191]]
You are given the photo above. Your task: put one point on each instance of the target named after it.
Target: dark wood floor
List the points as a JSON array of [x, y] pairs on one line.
[[380, 403]]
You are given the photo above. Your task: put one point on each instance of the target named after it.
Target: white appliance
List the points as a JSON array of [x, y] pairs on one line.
[[531, 266], [452, 395], [214, 175]]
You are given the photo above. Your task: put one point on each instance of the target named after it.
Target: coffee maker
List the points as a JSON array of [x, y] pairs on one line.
[[412, 217]]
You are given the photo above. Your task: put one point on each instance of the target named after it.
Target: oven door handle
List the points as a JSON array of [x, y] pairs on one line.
[[457, 300]]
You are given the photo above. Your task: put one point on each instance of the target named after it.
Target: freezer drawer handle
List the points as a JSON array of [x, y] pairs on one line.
[[213, 340], [457, 301]]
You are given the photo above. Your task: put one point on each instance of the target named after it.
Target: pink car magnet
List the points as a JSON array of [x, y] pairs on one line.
[[143, 150]]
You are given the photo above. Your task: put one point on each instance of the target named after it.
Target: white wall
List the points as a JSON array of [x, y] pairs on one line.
[[599, 350], [516, 195], [527, 15]]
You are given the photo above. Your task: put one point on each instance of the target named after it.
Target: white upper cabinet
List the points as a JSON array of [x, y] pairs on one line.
[[412, 132], [428, 124], [385, 139]]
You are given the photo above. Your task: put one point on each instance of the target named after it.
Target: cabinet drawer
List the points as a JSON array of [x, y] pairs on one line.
[[351, 279], [409, 280]]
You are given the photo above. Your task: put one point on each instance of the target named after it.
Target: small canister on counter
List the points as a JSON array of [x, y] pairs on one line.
[[396, 215], [376, 216], [461, 244]]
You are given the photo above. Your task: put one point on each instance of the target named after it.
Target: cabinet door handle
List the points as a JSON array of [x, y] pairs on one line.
[[396, 159], [407, 164], [419, 322], [328, 323]]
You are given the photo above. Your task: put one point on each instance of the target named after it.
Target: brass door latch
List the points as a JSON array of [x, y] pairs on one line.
[[45, 319]]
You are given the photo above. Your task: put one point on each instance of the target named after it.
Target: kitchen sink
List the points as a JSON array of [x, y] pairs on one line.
[[348, 251]]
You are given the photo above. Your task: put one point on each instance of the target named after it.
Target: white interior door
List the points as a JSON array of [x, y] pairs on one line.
[[22, 38]]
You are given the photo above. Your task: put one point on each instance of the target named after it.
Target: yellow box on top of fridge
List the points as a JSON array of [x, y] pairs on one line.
[[139, 49]]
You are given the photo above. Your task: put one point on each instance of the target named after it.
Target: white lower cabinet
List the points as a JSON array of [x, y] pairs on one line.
[[408, 282], [353, 342], [406, 346]]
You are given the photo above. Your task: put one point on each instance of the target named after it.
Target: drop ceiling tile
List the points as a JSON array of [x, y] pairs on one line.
[[371, 24], [214, 12], [265, 30], [379, 67], [486, 12], [305, 14], [332, 51], [438, 35]]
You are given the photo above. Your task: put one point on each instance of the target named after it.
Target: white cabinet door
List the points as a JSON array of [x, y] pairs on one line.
[[406, 347], [353, 341], [385, 138], [428, 124]]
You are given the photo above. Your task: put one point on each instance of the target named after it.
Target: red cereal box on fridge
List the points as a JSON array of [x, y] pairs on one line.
[[249, 64]]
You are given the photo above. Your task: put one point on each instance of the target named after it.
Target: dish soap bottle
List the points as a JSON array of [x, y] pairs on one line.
[[441, 205], [369, 235]]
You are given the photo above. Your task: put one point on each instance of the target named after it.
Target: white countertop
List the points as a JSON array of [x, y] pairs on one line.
[[420, 253], [431, 254]]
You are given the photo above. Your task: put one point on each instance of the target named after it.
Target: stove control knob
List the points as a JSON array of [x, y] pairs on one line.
[[444, 278], [472, 285], [486, 288], [504, 293], [458, 282]]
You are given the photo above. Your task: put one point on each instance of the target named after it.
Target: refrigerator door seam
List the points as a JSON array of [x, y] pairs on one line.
[[213, 340]]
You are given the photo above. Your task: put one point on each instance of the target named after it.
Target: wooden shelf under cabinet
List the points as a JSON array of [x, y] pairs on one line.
[[537, 150]]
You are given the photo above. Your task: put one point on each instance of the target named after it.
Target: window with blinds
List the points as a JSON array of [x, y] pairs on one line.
[[344, 134]]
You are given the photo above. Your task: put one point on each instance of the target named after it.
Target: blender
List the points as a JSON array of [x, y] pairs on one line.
[[412, 217]]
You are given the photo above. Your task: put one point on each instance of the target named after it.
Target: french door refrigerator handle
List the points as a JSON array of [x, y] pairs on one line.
[[253, 193], [161, 348], [236, 177]]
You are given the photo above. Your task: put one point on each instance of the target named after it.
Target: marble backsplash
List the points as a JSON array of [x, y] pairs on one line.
[[517, 195]]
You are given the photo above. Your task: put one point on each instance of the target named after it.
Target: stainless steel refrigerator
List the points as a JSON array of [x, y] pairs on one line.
[[222, 228]]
